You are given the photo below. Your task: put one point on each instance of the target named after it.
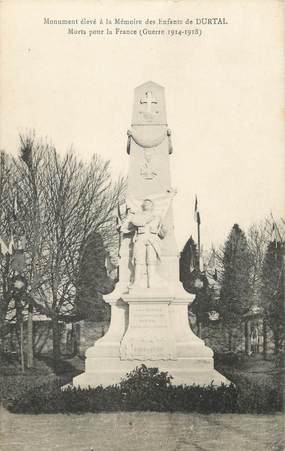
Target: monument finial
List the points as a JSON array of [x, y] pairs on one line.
[[151, 96]]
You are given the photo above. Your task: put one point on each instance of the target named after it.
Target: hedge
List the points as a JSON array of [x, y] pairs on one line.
[[147, 389]]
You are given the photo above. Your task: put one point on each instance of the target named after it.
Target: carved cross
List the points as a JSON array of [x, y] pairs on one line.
[[149, 100]]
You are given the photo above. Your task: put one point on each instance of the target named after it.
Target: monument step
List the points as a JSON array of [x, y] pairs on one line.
[[184, 371]]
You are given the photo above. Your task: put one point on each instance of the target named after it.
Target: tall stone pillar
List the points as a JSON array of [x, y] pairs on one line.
[[149, 307]]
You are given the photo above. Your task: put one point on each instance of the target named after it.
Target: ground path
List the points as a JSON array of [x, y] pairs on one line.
[[140, 431]]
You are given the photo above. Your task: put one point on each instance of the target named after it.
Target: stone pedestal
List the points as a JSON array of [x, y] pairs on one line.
[[154, 331]]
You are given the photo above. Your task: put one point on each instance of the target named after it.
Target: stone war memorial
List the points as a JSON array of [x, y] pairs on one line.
[[149, 307]]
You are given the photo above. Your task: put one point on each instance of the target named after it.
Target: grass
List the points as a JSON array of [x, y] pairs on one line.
[[253, 369]]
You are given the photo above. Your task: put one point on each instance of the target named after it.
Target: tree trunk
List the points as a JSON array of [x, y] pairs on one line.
[[55, 340], [247, 337], [22, 347], [20, 331], [30, 350], [276, 338], [75, 339], [265, 340], [230, 340], [259, 337]]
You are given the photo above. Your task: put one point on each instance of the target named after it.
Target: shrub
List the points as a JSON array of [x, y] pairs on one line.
[[148, 389], [233, 359], [51, 399], [253, 398], [13, 387], [144, 378], [279, 359]]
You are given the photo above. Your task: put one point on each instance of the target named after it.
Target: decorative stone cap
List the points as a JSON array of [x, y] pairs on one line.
[[149, 105]]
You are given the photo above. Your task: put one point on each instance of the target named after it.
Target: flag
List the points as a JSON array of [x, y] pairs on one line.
[[4, 249], [196, 212], [22, 243], [15, 206], [18, 261], [275, 234], [189, 253], [11, 245], [7, 248], [191, 262]]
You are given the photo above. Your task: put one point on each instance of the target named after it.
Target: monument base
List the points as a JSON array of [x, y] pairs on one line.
[[153, 330], [183, 371]]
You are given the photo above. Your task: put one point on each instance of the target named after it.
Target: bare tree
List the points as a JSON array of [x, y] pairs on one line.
[[258, 237], [12, 283], [7, 178], [63, 200]]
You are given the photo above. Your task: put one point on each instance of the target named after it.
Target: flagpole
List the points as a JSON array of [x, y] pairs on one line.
[[197, 219], [199, 243]]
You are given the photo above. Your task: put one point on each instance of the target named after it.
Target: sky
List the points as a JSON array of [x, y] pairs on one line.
[[224, 97]]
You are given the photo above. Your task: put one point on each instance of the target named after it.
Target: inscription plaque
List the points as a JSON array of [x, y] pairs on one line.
[[149, 336]]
